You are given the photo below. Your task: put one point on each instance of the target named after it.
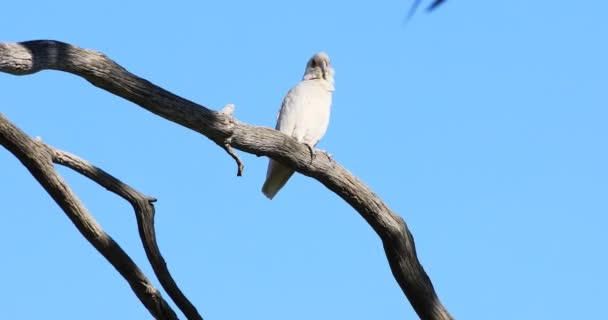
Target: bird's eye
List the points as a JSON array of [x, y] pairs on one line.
[[313, 64]]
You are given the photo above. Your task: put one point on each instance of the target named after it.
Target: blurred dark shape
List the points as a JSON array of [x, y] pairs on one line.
[[430, 8], [434, 5]]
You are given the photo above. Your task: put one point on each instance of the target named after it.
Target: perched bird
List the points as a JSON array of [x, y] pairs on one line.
[[304, 115]]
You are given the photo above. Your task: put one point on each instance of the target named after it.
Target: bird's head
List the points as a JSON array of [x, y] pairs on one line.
[[318, 67]]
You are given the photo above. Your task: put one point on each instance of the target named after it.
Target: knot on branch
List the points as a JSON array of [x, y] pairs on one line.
[[227, 117], [228, 110], [45, 150]]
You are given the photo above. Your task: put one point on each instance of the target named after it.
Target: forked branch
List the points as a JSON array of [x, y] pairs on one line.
[[144, 213], [38, 159]]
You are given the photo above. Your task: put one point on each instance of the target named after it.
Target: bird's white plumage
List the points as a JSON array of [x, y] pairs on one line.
[[304, 115]]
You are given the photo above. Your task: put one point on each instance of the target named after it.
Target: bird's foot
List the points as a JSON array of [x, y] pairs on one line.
[[312, 152], [327, 154]]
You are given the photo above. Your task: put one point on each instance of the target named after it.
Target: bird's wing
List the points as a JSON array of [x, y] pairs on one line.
[[277, 174], [288, 114]]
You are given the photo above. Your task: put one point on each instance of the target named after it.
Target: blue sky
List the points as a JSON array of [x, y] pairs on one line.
[[483, 125]]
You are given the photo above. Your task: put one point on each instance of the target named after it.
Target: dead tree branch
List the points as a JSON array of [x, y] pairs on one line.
[[144, 213], [33, 56], [38, 159]]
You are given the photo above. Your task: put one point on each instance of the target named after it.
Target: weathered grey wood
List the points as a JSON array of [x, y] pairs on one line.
[[144, 213], [33, 56], [38, 159]]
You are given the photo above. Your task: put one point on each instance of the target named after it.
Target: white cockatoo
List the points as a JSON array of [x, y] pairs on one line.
[[304, 115]]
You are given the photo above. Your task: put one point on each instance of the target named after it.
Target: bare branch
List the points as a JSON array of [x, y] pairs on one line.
[[144, 212], [33, 56], [38, 160]]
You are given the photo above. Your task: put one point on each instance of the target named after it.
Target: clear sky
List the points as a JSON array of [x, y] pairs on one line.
[[483, 124]]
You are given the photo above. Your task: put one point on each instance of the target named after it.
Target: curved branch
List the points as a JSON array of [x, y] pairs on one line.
[[144, 212], [38, 161], [33, 56]]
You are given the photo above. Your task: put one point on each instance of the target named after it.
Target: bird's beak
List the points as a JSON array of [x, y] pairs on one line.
[[324, 68]]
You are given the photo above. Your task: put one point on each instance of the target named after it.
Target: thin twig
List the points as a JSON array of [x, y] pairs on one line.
[[236, 158], [228, 112]]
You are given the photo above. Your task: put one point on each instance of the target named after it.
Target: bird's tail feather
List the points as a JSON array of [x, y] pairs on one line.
[[276, 178]]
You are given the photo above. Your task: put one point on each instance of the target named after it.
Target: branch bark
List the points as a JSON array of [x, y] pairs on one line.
[[33, 56], [144, 213], [38, 159]]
